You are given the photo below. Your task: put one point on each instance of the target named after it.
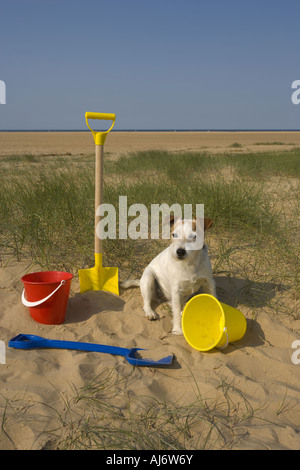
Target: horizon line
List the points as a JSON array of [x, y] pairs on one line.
[[154, 130]]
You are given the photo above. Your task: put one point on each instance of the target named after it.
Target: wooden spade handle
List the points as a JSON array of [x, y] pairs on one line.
[[98, 191], [99, 138]]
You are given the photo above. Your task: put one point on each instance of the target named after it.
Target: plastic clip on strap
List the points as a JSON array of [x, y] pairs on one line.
[[39, 302]]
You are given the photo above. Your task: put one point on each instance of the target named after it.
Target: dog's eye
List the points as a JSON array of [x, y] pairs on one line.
[[192, 237], [174, 235]]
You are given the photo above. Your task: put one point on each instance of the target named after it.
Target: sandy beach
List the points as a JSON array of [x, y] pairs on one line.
[[251, 388], [81, 143]]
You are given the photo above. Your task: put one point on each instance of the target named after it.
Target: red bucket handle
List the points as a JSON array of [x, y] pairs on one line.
[[39, 302]]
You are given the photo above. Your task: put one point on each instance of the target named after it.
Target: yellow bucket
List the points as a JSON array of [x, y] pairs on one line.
[[208, 323]]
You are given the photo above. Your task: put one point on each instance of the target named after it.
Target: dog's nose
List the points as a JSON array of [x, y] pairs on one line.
[[180, 252]]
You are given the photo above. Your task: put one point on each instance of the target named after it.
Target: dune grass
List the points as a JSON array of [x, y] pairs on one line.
[[47, 203], [47, 209], [47, 206], [47, 217]]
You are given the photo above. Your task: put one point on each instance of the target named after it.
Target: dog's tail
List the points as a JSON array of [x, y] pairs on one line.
[[130, 283]]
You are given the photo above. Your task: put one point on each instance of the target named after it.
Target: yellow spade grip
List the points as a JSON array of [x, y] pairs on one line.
[[107, 116], [100, 137]]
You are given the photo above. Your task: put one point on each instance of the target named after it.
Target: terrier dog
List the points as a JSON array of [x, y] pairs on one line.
[[179, 271]]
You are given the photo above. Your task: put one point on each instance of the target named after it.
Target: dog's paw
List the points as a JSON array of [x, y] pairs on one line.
[[177, 330], [151, 315]]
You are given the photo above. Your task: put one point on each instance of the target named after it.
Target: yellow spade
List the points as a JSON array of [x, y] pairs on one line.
[[98, 277]]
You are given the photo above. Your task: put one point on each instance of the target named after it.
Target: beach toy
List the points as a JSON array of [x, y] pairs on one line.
[[99, 277], [46, 295], [208, 323], [24, 341]]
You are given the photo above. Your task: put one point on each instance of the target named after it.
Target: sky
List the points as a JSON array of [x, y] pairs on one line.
[[156, 64]]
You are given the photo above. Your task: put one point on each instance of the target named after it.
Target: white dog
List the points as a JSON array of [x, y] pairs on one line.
[[179, 271]]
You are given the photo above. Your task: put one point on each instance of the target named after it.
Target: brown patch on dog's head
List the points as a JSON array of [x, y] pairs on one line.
[[172, 221], [206, 225], [198, 225]]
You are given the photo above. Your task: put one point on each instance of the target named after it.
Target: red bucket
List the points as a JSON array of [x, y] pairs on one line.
[[46, 294]]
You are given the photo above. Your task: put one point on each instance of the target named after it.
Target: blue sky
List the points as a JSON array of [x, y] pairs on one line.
[[157, 64]]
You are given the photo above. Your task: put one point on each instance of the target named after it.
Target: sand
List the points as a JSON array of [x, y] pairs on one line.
[[81, 143], [251, 388]]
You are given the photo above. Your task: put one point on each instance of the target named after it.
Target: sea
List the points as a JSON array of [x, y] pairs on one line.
[[153, 130]]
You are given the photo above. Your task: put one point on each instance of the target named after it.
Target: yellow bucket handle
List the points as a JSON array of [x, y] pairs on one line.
[[100, 137]]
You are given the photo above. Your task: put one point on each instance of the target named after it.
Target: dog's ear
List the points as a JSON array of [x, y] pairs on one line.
[[170, 220], [207, 223]]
